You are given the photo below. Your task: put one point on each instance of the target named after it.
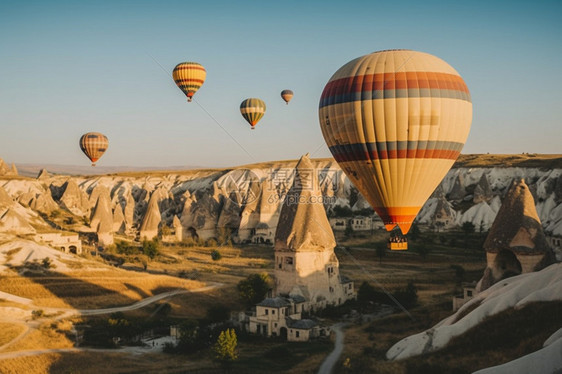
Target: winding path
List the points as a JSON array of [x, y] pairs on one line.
[[329, 362], [68, 312]]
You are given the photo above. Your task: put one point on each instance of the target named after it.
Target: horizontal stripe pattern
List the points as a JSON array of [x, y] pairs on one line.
[[393, 150], [394, 86], [252, 110], [189, 77]]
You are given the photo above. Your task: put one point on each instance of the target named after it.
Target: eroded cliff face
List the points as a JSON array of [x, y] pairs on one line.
[[243, 201]]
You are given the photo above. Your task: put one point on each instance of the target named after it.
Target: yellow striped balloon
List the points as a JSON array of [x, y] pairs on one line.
[[189, 76], [252, 110], [396, 121], [287, 95], [94, 145]]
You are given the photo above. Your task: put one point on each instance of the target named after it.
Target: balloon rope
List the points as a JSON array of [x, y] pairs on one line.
[[223, 129], [205, 110], [370, 276]]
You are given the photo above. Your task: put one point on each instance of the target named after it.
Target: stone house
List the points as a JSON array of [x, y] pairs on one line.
[[282, 316], [361, 223], [68, 243], [469, 291], [263, 234]]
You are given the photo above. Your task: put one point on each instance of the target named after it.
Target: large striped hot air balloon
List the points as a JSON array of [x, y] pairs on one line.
[[94, 145], [189, 76], [396, 121], [252, 110], [287, 95]]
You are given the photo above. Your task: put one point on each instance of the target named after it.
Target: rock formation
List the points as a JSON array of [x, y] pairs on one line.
[[5, 199], [43, 203], [152, 218], [483, 191], [305, 262], [458, 192], [102, 219], [516, 242], [202, 213], [43, 174], [74, 199], [12, 222], [119, 224], [5, 170]]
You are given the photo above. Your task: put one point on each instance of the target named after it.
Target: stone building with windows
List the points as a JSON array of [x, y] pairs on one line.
[[66, 242]]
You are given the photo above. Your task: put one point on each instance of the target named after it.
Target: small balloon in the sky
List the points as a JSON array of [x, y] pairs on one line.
[[287, 95], [94, 145], [252, 110], [189, 76]]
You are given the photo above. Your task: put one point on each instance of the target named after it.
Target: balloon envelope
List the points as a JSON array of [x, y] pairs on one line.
[[189, 77], [287, 95], [396, 121], [252, 110], [94, 145]]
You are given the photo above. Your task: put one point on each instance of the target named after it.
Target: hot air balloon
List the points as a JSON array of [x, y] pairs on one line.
[[252, 110], [396, 121], [94, 145], [189, 76], [287, 95]]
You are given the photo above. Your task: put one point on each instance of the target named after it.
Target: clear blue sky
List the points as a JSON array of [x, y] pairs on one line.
[[70, 67]]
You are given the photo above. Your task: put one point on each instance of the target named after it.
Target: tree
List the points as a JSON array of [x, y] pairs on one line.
[[225, 347], [407, 297], [253, 289], [216, 255], [381, 251], [150, 248], [468, 228], [423, 249], [415, 232], [348, 232]]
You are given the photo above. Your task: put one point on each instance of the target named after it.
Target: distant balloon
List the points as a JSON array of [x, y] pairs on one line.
[[94, 145], [396, 121], [252, 110], [189, 76], [287, 95]]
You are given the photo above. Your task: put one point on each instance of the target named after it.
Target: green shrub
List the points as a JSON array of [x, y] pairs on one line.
[[216, 255]]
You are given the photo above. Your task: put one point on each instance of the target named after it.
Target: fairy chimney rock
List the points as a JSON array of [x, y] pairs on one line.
[[516, 242], [74, 199], [151, 220], [43, 174], [305, 263], [482, 191], [6, 170], [11, 221], [303, 224]]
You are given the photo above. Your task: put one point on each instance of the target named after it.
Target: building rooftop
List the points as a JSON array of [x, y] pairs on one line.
[[302, 324], [274, 302]]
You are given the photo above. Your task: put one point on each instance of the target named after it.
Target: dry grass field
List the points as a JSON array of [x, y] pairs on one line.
[[88, 289], [9, 331], [190, 267]]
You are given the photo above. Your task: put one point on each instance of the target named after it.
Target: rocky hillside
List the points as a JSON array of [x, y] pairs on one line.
[[244, 202]]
